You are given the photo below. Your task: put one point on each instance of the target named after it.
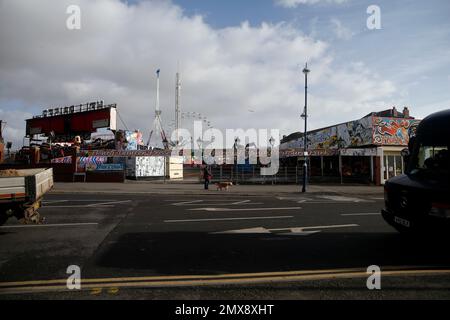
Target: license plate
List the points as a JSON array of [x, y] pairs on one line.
[[402, 222]]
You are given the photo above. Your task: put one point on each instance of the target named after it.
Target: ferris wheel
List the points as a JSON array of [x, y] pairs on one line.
[[187, 122]]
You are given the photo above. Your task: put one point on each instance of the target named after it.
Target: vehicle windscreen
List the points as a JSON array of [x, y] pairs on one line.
[[431, 161]]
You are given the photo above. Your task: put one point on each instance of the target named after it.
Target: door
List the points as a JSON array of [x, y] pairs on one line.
[[393, 166]]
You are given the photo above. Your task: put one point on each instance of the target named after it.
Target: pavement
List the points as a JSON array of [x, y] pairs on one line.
[[196, 188], [221, 246]]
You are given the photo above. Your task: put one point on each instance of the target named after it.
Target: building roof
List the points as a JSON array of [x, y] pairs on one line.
[[389, 113], [392, 113]]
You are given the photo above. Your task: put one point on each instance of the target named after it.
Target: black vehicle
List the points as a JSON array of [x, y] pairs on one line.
[[420, 198]]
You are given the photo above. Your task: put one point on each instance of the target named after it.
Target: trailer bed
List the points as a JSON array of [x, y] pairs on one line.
[[25, 184]]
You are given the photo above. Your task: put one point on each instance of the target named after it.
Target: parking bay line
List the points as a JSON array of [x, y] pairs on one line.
[[218, 204], [244, 209], [206, 199], [51, 225], [229, 219], [77, 207], [77, 200], [202, 202], [362, 214], [291, 231], [108, 204], [331, 202]]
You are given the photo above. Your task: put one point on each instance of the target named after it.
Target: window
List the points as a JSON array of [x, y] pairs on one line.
[[432, 159]]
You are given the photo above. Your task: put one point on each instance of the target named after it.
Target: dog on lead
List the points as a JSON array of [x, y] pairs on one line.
[[223, 185]]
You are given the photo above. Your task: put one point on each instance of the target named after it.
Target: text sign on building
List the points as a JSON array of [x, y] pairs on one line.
[[359, 152]]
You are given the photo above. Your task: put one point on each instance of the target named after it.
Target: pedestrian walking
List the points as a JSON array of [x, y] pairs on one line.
[[206, 176]]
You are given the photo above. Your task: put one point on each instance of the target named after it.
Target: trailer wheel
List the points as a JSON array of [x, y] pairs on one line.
[[31, 214]]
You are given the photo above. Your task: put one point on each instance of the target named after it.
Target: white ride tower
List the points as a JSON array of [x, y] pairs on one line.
[[157, 127]]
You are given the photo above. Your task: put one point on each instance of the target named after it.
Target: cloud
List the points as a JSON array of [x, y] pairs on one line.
[[12, 126], [295, 3], [340, 30], [225, 71]]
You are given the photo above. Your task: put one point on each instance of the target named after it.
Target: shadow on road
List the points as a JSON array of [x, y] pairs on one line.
[[202, 253]]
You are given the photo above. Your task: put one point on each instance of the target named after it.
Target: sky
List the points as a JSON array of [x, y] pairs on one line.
[[240, 61]]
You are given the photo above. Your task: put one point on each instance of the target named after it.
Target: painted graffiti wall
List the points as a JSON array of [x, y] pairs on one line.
[[355, 133], [391, 131], [323, 139], [128, 140], [364, 132], [351, 134], [145, 167]]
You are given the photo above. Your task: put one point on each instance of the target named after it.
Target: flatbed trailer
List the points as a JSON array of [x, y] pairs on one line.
[[21, 192]]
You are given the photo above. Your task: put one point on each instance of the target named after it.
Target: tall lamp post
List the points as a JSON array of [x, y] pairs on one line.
[[200, 146], [305, 143], [236, 150], [271, 142]]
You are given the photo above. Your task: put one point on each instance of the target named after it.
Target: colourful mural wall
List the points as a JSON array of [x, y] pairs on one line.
[[128, 140], [355, 133], [364, 132], [351, 134], [323, 139], [391, 131]]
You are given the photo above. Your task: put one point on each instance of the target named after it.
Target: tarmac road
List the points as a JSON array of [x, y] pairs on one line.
[[217, 247]]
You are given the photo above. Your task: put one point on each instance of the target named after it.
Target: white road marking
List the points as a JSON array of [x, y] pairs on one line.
[[323, 227], [208, 199], [241, 202], [230, 219], [362, 214], [224, 203], [185, 202], [293, 231], [51, 225], [245, 209], [249, 230], [76, 200], [295, 198], [326, 199], [298, 233], [54, 201], [79, 206], [108, 204], [343, 199]]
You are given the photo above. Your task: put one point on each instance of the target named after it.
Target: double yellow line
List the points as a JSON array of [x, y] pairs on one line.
[[58, 285]]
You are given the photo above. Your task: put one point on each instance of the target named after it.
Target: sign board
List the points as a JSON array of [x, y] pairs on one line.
[[126, 153], [109, 167], [101, 123], [359, 152]]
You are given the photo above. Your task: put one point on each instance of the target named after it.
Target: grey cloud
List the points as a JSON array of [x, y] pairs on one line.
[[224, 71]]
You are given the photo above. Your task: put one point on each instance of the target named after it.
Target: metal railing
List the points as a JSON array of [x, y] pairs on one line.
[[252, 175]]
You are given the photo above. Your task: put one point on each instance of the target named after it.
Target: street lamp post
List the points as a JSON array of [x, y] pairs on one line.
[[200, 146], [272, 142], [305, 143], [236, 150]]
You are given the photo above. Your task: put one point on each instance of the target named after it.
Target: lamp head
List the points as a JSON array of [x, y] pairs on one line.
[[305, 69]]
